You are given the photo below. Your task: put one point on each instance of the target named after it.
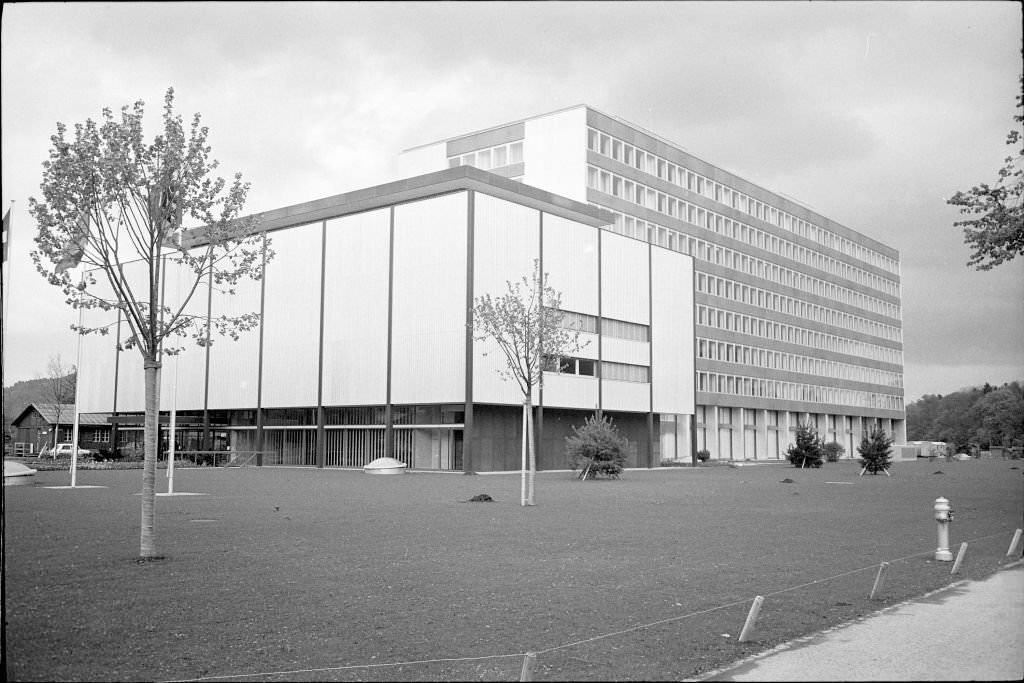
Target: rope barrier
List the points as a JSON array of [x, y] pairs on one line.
[[530, 657]]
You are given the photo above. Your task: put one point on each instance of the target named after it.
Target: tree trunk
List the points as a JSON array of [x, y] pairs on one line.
[[147, 539], [522, 488]]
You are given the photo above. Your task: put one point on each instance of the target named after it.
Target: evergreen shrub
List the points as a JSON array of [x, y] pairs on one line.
[[597, 448], [833, 450], [875, 451], [807, 451]]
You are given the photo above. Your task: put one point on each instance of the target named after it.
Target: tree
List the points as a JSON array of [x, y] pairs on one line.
[[115, 204], [60, 389], [999, 416], [833, 450], [597, 448], [875, 451], [525, 324], [807, 451], [995, 229]]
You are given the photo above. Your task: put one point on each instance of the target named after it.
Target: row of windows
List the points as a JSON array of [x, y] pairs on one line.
[[773, 418], [737, 385], [694, 182], [492, 157], [622, 372], [619, 329], [677, 208], [770, 329], [631, 191], [755, 296], [792, 362]]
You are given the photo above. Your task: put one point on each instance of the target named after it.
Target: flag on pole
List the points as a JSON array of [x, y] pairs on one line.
[[7, 236]]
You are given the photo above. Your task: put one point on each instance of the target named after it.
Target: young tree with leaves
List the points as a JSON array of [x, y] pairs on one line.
[[114, 204], [525, 323], [995, 229]]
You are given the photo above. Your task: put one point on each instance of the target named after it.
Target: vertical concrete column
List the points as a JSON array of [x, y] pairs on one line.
[[711, 434], [762, 431]]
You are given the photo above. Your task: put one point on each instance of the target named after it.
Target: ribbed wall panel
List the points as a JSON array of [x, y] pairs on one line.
[[291, 343], [626, 396], [555, 153], [625, 351], [356, 309], [672, 333], [570, 391], [624, 279], [183, 377], [429, 304], [131, 383], [234, 365], [506, 240], [570, 259]]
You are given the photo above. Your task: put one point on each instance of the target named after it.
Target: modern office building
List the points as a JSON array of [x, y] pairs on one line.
[[798, 318], [716, 314], [366, 346]]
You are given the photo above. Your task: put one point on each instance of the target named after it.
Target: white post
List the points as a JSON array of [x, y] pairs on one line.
[[878, 580], [522, 496], [959, 558], [529, 661], [174, 420], [748, 627], [78, 370], [1014, 544]]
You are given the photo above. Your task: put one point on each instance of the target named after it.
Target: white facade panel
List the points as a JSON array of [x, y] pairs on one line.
[[183, 376], [291, 318], [570, 391], [625, 351], [356, 309], [631, 396], [421, 160], [624, 279], [131, 383], [506, 243], [672, 332], [234, 365], [555, 153], [570, 259], [429, 303]]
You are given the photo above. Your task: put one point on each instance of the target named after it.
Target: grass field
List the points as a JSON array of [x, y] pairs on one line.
[[299, 574]]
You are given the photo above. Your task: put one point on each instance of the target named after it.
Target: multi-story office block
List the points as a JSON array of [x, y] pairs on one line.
[[797, 318]]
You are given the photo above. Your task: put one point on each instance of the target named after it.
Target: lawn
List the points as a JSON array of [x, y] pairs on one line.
[[300, 574]]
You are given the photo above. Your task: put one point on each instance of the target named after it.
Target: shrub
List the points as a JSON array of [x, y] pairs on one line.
[[596, 448], [806, 452], [833, 450], [703, 455], [875, 451]]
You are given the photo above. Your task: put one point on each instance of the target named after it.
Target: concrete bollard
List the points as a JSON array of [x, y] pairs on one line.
[[959, 558], [1014, 544], [878, 580], [529, 661], [748, 627]]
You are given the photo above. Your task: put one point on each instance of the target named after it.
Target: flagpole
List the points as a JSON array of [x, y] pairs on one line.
[[5, 281]]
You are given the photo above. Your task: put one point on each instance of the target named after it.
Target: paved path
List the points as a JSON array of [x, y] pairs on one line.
[[971, 631]]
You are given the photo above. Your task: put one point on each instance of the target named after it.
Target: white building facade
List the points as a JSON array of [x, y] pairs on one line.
[[365, 345], [797, 318]]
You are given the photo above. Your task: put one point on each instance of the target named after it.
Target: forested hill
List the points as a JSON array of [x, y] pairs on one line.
[[984, 416], [20, 394]]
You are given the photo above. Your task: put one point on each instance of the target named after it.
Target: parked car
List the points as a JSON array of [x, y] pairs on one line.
[[63, 450]]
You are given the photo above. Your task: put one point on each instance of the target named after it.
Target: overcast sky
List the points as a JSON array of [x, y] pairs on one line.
[[872, 114]]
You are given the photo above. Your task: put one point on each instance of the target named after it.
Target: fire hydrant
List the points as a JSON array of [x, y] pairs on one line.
[[943, 515]]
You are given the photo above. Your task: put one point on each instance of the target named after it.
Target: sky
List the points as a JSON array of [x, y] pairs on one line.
[[872, 114]]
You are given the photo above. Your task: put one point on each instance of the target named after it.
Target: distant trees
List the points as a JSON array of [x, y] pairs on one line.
[[984, 416]]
